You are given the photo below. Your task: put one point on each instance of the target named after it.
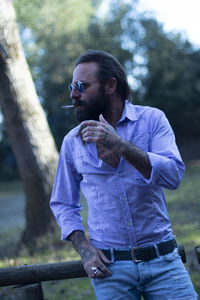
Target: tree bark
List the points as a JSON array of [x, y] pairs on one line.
[[27, 127]]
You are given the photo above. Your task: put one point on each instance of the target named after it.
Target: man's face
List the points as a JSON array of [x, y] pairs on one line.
[[92, 101]]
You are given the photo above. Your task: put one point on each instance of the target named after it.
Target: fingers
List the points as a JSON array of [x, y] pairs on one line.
[[92, 123], [101, 119], [83, 128], [98, 271], [85, 124], [95, 267], [103, 271], [100, 133], [106, 261], [92, 131], [103, 257]]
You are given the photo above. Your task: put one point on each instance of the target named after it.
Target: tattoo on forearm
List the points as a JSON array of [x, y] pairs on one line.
[[77, 238], [81, 245], [138, 158], [109, 157], [113, 145]]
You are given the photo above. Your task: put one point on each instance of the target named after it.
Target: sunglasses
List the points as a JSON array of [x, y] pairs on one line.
[[79, 85]]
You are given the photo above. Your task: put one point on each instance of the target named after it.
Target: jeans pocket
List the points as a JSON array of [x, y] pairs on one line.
[[96, 281]]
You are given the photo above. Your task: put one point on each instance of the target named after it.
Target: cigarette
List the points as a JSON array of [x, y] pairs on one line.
[[68, 106]]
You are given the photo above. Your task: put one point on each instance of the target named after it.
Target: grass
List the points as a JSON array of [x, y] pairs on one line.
[[184, 208], [72, 289]]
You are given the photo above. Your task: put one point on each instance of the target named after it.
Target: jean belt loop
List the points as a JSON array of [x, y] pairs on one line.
[[112, 260], [157, 251]]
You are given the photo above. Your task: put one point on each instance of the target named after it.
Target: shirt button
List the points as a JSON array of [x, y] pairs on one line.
[[129, 224], [123, 198]]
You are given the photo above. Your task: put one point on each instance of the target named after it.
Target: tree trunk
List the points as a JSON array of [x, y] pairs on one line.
[[27, 127]]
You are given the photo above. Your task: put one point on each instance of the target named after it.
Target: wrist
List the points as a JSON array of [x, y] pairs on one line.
[[121, 146], [78, 240]]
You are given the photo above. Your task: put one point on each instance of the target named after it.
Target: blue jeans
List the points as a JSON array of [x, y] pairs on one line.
[[162, 278]]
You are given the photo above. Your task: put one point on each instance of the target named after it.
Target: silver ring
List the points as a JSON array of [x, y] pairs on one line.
[[95, 270]]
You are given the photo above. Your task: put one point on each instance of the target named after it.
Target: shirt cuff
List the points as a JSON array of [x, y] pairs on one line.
[[156, 163], [67, 231]]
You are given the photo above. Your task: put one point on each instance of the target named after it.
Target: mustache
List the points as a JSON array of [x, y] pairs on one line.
[[77, 102]]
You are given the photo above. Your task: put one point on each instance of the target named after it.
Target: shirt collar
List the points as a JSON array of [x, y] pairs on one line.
[[129, 112]]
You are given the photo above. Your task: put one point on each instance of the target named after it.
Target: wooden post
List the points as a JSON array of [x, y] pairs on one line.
[[37, 273], [29, 292]]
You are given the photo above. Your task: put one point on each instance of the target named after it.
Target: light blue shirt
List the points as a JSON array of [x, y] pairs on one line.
[[124, 208]]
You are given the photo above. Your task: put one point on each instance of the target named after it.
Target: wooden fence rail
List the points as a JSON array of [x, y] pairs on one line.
[[27, 279], [28, 274]]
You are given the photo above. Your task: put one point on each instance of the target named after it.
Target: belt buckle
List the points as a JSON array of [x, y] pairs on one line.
[[134, 255]]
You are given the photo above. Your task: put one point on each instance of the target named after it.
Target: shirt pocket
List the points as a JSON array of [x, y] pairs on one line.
[[142, 141], [85, 164]]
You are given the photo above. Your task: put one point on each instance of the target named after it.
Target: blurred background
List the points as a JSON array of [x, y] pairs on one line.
[[158, 44]]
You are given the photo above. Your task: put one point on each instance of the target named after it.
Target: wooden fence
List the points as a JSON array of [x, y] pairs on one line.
[[28, 278]]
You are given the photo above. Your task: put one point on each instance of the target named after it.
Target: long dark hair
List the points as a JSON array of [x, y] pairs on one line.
[[109, 67]]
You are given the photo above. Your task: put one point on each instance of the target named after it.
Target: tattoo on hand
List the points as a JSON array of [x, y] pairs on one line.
[[86, 253]]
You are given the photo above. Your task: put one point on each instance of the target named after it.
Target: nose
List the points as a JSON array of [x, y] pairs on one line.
[[75, 93]]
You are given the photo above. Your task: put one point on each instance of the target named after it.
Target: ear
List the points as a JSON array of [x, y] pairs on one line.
[[110, 85]]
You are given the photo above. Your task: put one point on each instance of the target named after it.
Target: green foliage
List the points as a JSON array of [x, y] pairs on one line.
[[59, 31], [173, 79], [62, 30], [108, 33], [165, 67], [52, 44], [54, 17]]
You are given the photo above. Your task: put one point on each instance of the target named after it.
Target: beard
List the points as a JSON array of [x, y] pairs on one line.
[[91, 109]]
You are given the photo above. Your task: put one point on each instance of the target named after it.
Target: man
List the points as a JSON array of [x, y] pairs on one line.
[[121, 156]]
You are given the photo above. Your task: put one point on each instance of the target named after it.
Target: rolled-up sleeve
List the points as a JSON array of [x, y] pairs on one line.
[[66, 194], [167, 165]]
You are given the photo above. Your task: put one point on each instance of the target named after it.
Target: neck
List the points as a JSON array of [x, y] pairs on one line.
[[114, 111]]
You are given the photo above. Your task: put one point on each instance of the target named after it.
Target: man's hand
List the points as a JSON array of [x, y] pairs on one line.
[[101, 133], [91, 256], [94, 258]]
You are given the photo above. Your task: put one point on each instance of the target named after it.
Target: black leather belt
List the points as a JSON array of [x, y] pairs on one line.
[[142, 254]]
